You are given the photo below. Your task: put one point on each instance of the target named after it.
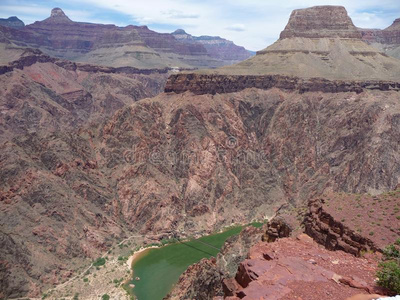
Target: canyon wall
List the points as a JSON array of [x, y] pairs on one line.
[[212, 84]]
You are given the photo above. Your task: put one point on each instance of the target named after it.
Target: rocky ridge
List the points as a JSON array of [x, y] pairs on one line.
[[46, 94], [216, 46], [354, 223], [216, 83], [330, 58], [109, 45], [387, 40], [12, 22]]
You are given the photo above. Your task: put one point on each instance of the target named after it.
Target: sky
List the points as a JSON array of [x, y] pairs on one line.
[[254, 24]]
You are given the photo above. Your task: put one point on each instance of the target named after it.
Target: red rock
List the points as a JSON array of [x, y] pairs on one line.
[[302, 271]]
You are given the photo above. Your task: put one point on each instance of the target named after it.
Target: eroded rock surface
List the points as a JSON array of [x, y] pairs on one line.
[[297, 268], [186, 163], [46, 94], [320, 22], [354, 223]]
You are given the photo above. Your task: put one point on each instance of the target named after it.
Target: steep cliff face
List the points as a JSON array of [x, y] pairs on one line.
[[354, 223], [320, 22], [195, 163], [200, 84], [46, 94], [216, 47], [388, 40]]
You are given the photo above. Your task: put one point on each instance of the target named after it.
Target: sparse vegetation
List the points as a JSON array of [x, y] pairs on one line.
[[389, 269]]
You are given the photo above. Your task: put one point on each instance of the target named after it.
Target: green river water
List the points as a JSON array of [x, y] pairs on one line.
[[159, 268]]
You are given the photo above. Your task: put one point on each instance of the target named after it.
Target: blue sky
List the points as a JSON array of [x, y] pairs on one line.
[[251, 23]]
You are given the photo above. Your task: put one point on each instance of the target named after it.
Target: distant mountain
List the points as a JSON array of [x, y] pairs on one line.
[[12, 22], [388, 39], [216, 46], [317, 42], [110, 45]]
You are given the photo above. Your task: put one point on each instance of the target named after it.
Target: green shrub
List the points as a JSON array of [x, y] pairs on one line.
[[99, 262], [105, 297], [85, 279], [391, 252], [76, 296], [389, 276], [389, 269]]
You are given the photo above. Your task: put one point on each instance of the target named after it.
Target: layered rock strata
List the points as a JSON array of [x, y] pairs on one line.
[[319, 50], [113, 46], [216, 46], [354, 223], [387, 40], [320, 22], [200, 84], [331, 233]]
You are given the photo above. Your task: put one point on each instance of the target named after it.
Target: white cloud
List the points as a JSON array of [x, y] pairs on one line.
[[236, 27], [177, 14]]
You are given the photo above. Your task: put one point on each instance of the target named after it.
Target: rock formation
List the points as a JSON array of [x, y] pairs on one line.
[[387, 40], [109, 45], [319, 50], [12, 22], [320, 22], [354, 223], [296, 268], [216, 47], [47, 94]]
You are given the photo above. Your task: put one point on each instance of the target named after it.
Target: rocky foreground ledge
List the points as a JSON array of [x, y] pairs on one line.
[[201, 84]]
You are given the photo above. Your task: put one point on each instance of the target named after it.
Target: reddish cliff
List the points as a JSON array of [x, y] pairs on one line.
[[354, 223], [211, 84]]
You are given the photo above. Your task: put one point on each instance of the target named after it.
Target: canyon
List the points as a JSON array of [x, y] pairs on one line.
[[93, 153]]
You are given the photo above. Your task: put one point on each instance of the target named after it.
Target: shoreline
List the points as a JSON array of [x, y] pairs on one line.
[[135, 255]]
